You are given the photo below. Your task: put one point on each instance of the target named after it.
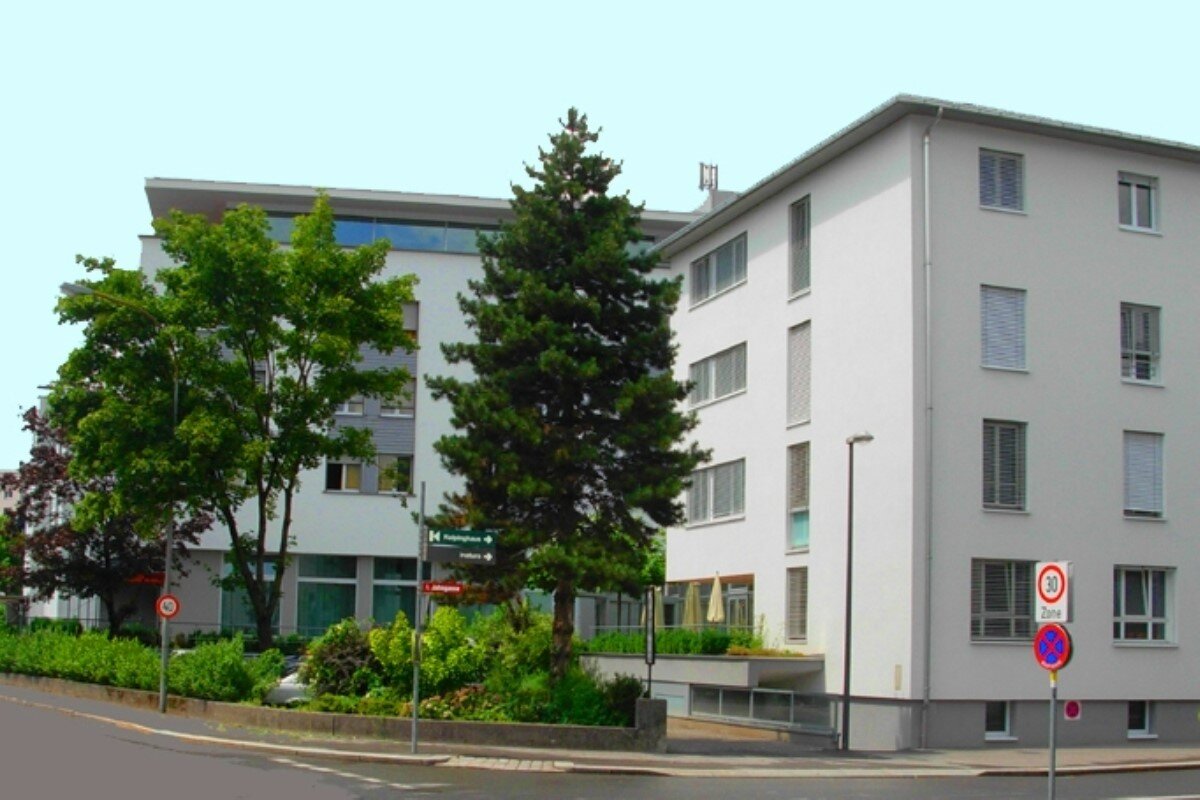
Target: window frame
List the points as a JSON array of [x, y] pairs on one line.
[[1018, 588], [796, 599], [708, 265], [800, 247], [1139, 467], [1134, 356], [345, 469], [305, 580], [351, 407], [1146, 712], [1004, 734], [1003, 322], [799, 493], [799, 373], [401, 409], [994, 481], [992, 197], [1128, 184], [708, 380], [380, 467], [1123, 619], [702, 491]]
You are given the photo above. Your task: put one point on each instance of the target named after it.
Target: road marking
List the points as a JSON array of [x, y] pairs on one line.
[[353, 776]]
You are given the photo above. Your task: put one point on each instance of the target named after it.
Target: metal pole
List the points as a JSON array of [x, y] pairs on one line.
[[849, 600], [1053, 732], [168, 544], [416, 649]]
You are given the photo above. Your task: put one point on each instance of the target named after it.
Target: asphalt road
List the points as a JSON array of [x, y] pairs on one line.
[[50, 755]]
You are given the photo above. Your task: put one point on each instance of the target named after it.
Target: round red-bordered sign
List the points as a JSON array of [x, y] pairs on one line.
[[1051, 583], [1052, 647], [167, 606]]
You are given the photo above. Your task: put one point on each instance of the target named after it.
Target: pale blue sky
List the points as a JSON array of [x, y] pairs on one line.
[[453, 97]]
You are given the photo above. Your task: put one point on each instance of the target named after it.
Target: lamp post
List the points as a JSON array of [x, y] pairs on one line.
[[79, 290], [858, 438]]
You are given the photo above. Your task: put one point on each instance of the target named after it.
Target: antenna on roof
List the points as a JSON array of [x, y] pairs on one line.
[[708, 177]]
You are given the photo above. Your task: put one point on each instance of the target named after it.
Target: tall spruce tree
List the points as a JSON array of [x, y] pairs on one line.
[[570, 434]]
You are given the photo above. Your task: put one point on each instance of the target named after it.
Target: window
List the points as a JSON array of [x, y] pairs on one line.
[[1141, 719], [798, 496], [1139, 343], [1004, 465], [236, 612], [1137, 202], [1001, 180], [395, 588], [403, 406], [1143, 474], [1001, 600], [718, 376], [326, 587], [717, 492], [1002, 314], [801, 225], [799, 408], [343, 476], [1140, 604], [395, 473], [797, 603], [352, 406], [997, 720], [720, 270]]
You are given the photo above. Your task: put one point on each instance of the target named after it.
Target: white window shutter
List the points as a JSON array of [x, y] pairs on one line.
[[800, 373], [798, 477], [1143, 474], [797, 603], [1002, 314]]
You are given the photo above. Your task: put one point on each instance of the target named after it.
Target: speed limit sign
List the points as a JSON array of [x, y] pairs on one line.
[[1053, 588], [167, 606]]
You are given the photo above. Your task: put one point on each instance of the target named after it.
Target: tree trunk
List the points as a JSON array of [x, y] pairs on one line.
[[564, 629], [266, 632]]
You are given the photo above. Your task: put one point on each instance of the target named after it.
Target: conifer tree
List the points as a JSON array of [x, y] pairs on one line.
[[570, 435]]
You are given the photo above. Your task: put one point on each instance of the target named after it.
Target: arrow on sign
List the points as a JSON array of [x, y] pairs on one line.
[[457, 538]]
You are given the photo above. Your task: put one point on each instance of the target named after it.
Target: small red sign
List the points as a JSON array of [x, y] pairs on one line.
[[1052, 647], [1051, 583], [167, 606], [441, 587], [1072, 710]]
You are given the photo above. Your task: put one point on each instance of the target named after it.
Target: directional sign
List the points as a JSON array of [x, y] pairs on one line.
[[461, 555], [456, 538], [167, 606], [441, 587], [1053, 585], [1052, 647]]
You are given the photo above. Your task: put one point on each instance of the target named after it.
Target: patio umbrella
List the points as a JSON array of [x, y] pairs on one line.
[[659, 618], [716, 604], [691, 606]]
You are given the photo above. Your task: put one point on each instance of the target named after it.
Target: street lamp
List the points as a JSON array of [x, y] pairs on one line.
[[79, 290], [858, 438]]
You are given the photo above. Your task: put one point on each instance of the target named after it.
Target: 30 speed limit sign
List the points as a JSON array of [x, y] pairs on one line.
[[167, 606], [1053, 589]]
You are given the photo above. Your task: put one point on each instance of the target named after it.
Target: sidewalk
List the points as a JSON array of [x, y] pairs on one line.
[[742, 763]]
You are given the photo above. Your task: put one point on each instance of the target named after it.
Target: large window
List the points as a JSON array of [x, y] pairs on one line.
[[352, 407], [1143, 474], [799, 399], [1001, 600], [395, 473], [1003, 465], [1137, 202], [1002, 316], [1001, 180], [720, 270], [325, 591], [798, 496], [797, 603], [801, 245], [1141, 605], [717, 492], [343, 476], [1139, 343], [438, 237], [236, 612], [395, 588], [718, 376]]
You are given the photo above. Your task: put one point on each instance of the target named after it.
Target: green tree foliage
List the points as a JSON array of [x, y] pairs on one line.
[[93, 553], [569, 430], [265, 344]]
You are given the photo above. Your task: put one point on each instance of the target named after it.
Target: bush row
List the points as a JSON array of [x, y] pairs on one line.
[[676, 641]]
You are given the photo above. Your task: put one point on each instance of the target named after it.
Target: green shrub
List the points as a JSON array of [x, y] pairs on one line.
[[71, 626], [266, 671], [392, 648], [141, 633], [470, 702], [621, 694], [215, 671], [450, 659], [675, 641], [340, 661]]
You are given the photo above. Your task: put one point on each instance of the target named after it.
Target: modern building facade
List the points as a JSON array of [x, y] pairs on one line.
[[1009, 306]]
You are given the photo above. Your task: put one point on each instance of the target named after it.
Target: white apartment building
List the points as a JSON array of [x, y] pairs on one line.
[[1009, 306], [355, 541]]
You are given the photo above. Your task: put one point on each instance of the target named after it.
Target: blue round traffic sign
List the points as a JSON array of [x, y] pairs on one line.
[[1052, 647]]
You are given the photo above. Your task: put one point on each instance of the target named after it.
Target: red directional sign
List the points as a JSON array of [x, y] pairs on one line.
[[441, 587], [1052, 647], [167, 606]]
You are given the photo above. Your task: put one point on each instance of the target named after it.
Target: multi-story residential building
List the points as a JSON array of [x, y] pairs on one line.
[[1008, 305], [356, 542]]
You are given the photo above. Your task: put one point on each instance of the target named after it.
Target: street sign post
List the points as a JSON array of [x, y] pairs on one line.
[[1052, 650], [1053, 590]]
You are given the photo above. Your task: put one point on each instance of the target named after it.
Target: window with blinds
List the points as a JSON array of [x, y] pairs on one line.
[[799, 399], [1004, 465], [1137, 202], [801, 255], [1140, 604], [717, 492], [1001, 180], [797, 604], [798, 496], [1143, 474], [720, 270], [718, 376], [1002, 600], [1002, 317], [1139, 343]]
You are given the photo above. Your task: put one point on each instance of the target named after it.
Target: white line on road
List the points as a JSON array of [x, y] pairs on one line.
[[402, 787]]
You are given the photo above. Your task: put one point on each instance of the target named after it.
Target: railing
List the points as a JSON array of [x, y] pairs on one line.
[[806, 713]]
